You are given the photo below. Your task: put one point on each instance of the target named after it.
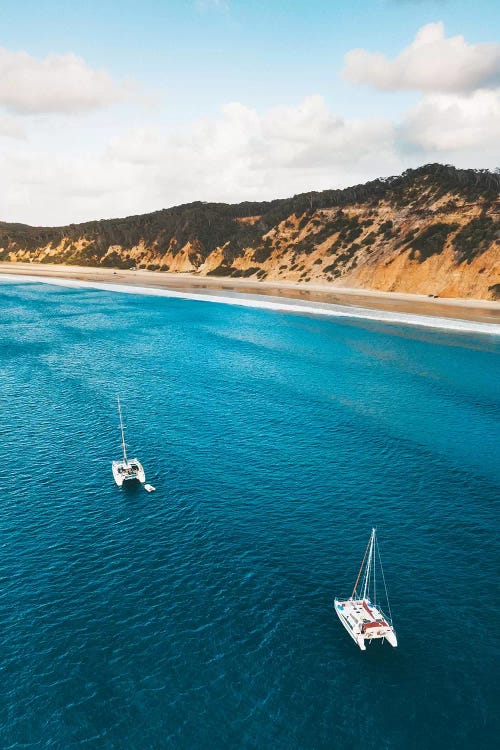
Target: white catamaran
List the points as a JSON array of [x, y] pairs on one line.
[[361, 615], [128, 468]]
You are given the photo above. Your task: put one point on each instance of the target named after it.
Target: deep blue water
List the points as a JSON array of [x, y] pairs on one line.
[[201, 616]]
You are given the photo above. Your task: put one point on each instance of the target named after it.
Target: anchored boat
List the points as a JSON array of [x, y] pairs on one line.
[[129, 468], [361, 614]]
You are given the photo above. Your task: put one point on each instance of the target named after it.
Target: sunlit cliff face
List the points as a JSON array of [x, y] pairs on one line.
[[417, 239]]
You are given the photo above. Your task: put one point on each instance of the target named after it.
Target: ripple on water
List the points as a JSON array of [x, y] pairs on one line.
[[201, 615]]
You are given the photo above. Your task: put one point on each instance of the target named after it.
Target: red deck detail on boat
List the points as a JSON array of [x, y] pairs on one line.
[[365, 605], [378, 624]]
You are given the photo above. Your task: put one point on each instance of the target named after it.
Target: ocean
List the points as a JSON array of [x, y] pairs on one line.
[[201, 615]]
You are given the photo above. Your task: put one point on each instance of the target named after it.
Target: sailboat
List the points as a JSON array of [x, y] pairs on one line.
[[361, 614], [128, 468]]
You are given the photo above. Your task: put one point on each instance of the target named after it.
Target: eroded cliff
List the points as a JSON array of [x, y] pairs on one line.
[[433, 230]]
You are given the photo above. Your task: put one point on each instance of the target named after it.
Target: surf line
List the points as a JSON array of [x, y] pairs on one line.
[[262, 302]]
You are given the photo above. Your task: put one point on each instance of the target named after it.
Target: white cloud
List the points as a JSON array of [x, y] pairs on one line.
[[429, 63], [242, 155], [302, 137], [310, 136], [54, 84], [49, 189], [447, 122], [10, 127]]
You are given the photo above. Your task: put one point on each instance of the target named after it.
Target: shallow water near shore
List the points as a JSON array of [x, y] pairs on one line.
[[452, 318], [201, 615]]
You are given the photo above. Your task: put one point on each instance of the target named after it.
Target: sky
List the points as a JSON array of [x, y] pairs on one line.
[[113, 108]]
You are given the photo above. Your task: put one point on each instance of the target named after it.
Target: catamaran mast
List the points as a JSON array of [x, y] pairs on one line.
[[369, 564], [361, 569], [122, 433]]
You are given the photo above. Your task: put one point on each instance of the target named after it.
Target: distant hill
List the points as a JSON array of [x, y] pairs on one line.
[[432, 230]]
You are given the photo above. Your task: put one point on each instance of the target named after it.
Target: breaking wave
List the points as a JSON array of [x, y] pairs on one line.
[[278, 304]]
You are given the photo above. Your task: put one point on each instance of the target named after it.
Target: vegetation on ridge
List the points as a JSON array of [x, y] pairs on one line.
[[377, 234]]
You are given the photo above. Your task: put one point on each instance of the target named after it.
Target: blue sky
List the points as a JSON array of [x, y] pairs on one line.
[[230, 100]]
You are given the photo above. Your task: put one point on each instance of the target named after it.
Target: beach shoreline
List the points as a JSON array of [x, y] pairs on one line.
[[319, 295]]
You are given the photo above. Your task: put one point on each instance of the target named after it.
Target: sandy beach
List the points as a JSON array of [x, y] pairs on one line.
[[460, 309]]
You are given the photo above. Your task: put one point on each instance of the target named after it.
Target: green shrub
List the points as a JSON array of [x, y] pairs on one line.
[[330, 269], [222, 270], [475, 237], [431, 241], [264, 251], [237, 272], [495, 290], [369, 239]]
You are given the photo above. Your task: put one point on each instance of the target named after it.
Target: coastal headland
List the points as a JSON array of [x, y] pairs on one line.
[[432, 231]]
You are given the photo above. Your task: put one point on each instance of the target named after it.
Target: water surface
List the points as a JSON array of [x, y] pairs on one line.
[[200, 616]]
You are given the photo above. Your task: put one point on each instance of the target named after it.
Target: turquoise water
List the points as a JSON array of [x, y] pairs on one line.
[[201, 616]]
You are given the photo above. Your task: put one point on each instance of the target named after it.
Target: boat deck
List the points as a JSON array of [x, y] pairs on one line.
[[125, 470], [361, 612], [364, 621]]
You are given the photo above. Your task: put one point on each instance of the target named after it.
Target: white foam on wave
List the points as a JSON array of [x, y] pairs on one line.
[[276, 303]]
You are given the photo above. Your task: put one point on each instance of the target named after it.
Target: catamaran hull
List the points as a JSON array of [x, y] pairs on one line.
[[391, 638], [358, 639], [384, 633], [121, 480], [118, 479]]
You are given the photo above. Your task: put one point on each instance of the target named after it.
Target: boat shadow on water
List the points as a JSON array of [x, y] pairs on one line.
[[132, 488]]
